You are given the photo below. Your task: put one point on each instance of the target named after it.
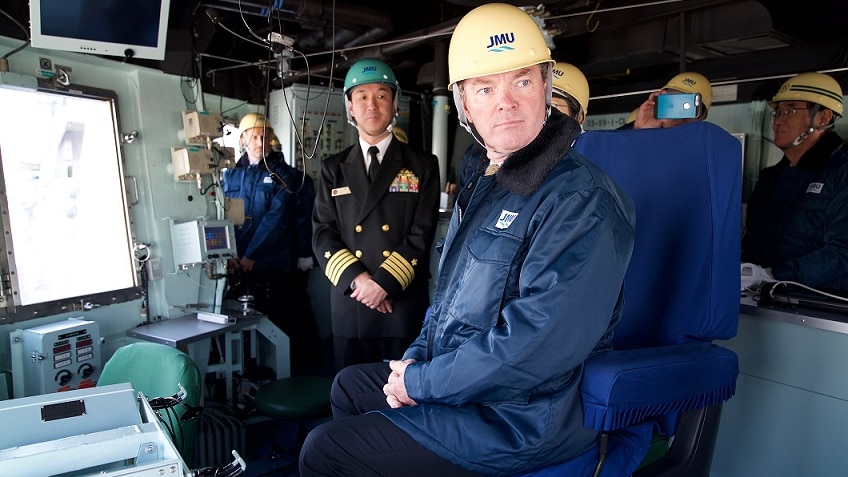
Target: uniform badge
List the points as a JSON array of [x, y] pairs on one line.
[[404, 181], [340, 191], [815, 187], [506, 218]]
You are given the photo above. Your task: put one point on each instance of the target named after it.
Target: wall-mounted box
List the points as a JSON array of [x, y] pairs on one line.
[[55, 357], [199, 126], [189, 162]]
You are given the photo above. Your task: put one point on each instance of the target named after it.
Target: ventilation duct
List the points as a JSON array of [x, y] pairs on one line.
[[725, 30]]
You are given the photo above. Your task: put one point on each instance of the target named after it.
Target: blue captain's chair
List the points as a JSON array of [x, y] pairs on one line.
[[664, 376]]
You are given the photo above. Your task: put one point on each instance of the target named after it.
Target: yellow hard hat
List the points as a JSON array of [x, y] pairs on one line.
[[400, 134], [569, 81], [254, 120], [691, 82], [492, 39], [816, 88], [631, 118]]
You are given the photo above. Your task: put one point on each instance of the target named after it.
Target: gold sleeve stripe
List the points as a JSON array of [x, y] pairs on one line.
[[400, 268], [337, 264]]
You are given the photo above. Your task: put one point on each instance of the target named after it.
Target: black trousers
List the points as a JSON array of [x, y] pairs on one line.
[[350, 351], [357, 444]]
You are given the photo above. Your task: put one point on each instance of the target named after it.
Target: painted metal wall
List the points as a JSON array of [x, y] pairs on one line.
[[151, 103], [789, 415]]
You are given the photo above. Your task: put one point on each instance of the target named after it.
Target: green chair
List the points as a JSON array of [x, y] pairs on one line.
[[300, 398], [159, 371]]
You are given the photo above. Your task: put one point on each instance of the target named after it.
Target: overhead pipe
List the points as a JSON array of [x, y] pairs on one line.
[[573, 24], [441, 109], [379, 50], [338, 16], [683, 43]]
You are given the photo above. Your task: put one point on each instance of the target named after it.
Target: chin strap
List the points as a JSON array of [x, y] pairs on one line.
[[466, 124], [804, 135], [476, 135]]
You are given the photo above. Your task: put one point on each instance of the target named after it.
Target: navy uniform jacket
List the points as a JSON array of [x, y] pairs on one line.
[[277, 229], [473, 160], [385, 228], [529, 284], [797, 218]]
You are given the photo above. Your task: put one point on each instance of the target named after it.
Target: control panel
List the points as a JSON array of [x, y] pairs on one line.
[[56, 357]]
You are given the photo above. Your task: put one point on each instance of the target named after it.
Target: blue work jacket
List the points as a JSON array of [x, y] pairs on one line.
[[797, 218], [278, 215], [530, 283]]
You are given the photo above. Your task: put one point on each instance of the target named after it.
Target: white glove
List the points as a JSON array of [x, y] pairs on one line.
[[305, 263], [753, 274]]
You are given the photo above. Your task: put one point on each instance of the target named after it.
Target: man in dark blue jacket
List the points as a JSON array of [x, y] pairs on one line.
[[797, 216], [274, 242], [529, 285]]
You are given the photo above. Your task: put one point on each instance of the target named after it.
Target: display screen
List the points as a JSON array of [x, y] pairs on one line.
[[105, 27], [216, 238], [133, 23], [68, 184]]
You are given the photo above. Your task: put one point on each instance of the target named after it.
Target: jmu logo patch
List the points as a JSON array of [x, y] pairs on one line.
[[815, 187], [500, 42], [506, 218]]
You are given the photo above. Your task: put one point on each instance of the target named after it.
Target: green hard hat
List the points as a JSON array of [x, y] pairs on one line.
[[370, 70]]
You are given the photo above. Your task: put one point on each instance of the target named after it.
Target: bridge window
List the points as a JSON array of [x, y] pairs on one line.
[[67, 232]]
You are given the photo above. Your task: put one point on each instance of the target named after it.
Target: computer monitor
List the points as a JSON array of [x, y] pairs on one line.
[[134, 29], [216, 237], [200, 241]]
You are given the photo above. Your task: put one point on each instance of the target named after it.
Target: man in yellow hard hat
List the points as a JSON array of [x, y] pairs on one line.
[[631, 118], [688, 82], [570, 95], [529, 285], [797, 216], [570, 91], [274, 242], [400, 134]]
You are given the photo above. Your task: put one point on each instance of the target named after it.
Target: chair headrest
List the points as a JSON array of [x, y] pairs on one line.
[[682, 284]]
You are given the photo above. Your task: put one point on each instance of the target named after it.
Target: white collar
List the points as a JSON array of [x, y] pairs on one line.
[[382, 146]]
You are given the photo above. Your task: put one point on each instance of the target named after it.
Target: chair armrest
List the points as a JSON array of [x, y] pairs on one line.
[[625, 387]]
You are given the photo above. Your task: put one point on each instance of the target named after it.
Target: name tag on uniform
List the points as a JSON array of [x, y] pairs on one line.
[[815, 187], [340, 191], [267, 180], [506, 219]]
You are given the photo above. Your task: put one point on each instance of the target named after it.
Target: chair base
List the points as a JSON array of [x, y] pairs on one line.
[[691, 452]]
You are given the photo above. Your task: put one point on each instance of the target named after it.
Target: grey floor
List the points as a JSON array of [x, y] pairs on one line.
[[271, 449]]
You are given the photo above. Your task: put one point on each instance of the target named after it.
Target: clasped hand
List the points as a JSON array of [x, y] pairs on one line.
[[305, 263], [370, 293], [395, 388]]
